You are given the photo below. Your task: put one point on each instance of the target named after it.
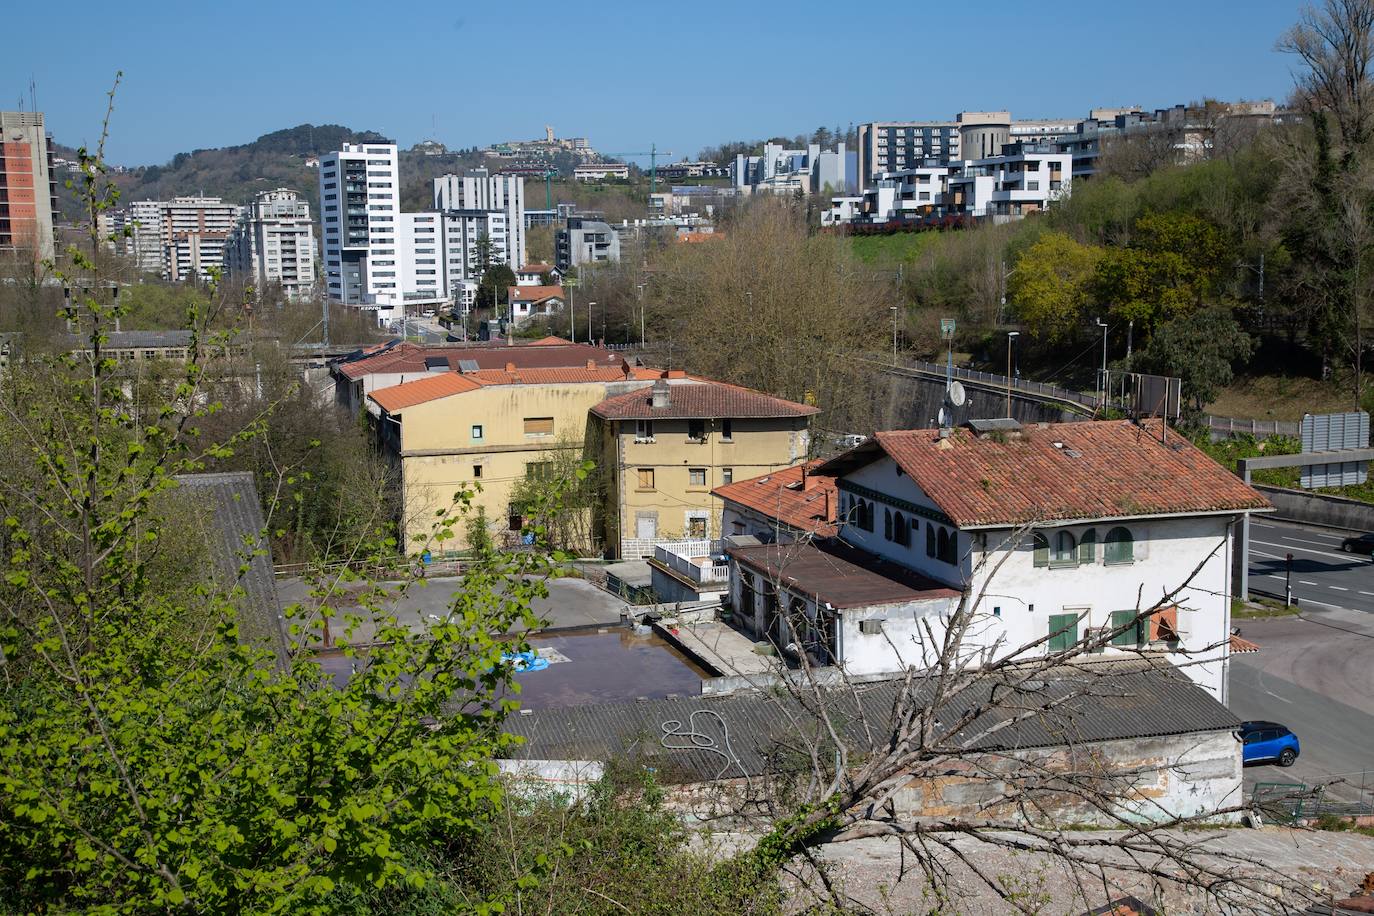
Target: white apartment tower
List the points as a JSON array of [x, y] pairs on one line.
[[274, 242], [360, 209], [182, 238], [480, 190]]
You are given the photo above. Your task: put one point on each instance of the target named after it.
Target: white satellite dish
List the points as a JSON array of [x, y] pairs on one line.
[[943, 419], [957, 396]]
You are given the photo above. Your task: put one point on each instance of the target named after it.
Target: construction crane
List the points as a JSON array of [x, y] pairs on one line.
[[653, 155], [548, 175]]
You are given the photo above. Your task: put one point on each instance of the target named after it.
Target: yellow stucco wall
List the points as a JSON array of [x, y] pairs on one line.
[[755, 447], [439, 452]]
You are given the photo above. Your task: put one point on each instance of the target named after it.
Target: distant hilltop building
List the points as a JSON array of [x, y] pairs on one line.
[[28, 189], [183, 238], [543, 149], [274, 242]]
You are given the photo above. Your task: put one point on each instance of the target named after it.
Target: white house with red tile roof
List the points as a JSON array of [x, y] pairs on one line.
[[1054, 531], [528, 301]]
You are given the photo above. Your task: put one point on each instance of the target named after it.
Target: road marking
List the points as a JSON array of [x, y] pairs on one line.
[[1334, 553], [1307, 582], [1338, 588], [1371, 594]]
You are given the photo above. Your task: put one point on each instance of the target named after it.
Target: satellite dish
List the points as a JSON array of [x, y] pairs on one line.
[[956, 394], [943, 419]]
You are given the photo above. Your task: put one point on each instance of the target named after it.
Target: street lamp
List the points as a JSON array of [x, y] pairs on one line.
[[893, 310], [1103, 379], [591, 304], [1011, 336], [642, 337]]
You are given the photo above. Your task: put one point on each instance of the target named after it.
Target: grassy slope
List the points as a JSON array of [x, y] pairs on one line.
[[891, 249]]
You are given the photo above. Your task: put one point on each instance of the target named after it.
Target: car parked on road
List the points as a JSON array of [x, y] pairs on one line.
[[1363, 543], [1268, 742]]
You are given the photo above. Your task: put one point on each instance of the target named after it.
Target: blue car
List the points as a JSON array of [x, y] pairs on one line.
[[1268, 742]]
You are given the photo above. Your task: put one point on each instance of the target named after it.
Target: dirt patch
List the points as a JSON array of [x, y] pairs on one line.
[[1278, 397]]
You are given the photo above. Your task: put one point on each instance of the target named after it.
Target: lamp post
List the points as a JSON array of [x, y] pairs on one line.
[[1011, 336], [893, 309], [642, 337], [1103, 379], [591, 304]]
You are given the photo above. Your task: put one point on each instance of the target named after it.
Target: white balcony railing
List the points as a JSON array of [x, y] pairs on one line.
[[693, 559]]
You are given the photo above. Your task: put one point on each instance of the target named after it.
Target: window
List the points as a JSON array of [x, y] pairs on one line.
[[696, 429], [867, 514], [696, 528], [1119, 546], [646, 478], [930, 541], [696, 477], [1065, 549], [539, 470], [726, 429], [887, 524], [1041, 546], [539, 426], [1087, 546], [1126, 630], [1063, 631], [901, 530], [948, 547], [644, 430], [727, 475], [476, 431], [476, 471]]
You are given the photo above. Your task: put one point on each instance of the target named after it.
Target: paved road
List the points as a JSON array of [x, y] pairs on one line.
[[1315, 674], [1323, 576]]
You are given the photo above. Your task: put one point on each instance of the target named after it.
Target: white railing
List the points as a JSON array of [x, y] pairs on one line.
[[679, 559], [638, 548]]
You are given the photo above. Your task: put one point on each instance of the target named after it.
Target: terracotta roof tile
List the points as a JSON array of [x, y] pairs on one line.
[[696, 398], [1092, 469], [780, 495], [548, 352], [440, 385], [533, 293]]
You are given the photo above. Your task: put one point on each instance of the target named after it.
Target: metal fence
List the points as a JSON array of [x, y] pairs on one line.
[[1040, 390], [1338, 795], [1260, 429]]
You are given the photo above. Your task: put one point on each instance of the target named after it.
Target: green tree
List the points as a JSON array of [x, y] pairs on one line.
[[1050, 284], [492, 290], [151, 755], [1173, 267], [1200, 349]]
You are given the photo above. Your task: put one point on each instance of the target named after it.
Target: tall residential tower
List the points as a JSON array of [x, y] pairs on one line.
[[28, 190]]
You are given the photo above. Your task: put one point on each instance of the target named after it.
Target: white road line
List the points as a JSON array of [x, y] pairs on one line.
[[1334, 553], [1307, 582], [1338, 588], [1370, 594]]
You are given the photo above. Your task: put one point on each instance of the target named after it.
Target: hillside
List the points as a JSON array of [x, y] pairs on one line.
[[273, 160]]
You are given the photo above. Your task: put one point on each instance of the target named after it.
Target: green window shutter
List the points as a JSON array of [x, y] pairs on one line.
[[1040, 543], [1087, 547], [1130, 635], [1120, 547], [1063, 631]]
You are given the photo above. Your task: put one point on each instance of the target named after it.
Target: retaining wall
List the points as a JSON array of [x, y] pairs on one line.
[[1318, 509]]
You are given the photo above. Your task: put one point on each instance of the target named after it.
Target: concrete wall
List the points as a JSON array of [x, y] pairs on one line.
[[1157, 779], [914, 403], [1318, 509]]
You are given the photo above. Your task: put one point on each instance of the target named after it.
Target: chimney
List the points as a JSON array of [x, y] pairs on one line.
[[591, 364], [661, 398], [510, 367]]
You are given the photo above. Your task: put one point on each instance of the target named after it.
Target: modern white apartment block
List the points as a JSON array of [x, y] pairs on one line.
[[274, 242], [585, 241], [601, 171], [891, 146], [480, 190], [1024, 179], [183, 239], [463, 234], [789, 171], [359, 211]]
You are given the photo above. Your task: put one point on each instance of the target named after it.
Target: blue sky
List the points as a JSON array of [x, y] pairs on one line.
[[623, 74]]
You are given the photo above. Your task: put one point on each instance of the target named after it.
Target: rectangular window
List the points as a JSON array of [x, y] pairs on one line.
[[646, 478], [727, 429], [1125, 632], [696, 477], [727, 475], [476, 471], [644, 430], [539, 426], [476, 431], [696, 429], [1063, 631], [539, 470], [696, 528]]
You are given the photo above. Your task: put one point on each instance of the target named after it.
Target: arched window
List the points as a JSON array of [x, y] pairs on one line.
[[1065, 548], [901, 530], [1087, 546], [868, 515], [950, 553], [930, 540], [1041, 545], [887, 524], [944, 545], [1119, 546]]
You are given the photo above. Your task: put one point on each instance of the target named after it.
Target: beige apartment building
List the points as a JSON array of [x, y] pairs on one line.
[[665, 447], [487, 428]]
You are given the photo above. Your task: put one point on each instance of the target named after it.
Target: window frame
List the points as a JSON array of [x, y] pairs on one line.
[[1113, 547], [645, 475], [538, 432], [696, 478]]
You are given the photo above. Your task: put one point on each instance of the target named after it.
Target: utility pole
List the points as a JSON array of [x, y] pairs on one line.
[[1288, 582], [1011, 336], [642, 337], [947, 332], [893, 309], [1103, 380], [590, 305]]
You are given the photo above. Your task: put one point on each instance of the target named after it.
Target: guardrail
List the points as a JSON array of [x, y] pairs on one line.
[[1233, 426], [1040, 390]]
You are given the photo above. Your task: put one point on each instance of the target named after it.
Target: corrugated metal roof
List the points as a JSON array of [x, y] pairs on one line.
[[1095, 701], [234, 533], [696, 398]]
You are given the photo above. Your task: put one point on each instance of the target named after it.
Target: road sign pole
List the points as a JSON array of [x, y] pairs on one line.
[[1288, 582]]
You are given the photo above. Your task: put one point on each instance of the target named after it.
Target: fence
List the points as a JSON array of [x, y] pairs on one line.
[[639, 548], [1238, 426], [680, 560], [1040, 390], [1340, 795]]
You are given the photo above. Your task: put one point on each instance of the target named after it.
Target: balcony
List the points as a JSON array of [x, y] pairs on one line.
[[701, 561]]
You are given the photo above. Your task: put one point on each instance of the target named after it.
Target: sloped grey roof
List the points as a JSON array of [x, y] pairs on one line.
[[231, 523], [1098, 701]]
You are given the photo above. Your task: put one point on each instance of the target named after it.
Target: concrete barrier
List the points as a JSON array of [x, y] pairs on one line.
[[1318, 509]]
